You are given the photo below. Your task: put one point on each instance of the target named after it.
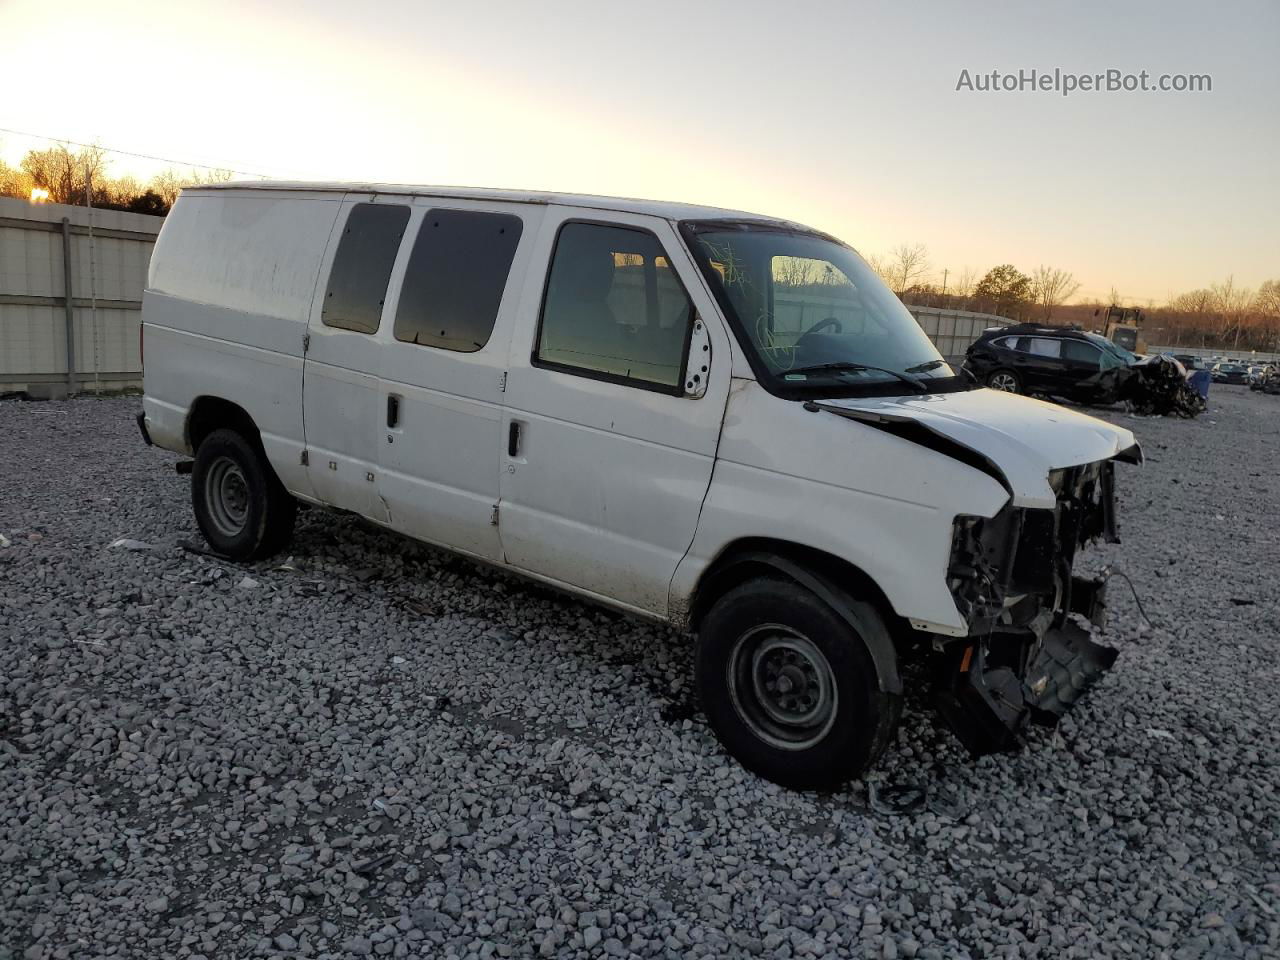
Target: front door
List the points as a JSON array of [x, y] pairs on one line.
[[340, 390], [606, 460]]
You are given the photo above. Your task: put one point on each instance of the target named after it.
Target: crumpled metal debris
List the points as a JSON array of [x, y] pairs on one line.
[[908, 798], [898, 799], [1158, 386], [124, 543]]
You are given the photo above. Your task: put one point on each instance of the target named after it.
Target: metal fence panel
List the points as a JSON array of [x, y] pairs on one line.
[[110, 253]]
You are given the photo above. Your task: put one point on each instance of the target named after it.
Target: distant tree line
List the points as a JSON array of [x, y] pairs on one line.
[[70, 175], [1221, 315]]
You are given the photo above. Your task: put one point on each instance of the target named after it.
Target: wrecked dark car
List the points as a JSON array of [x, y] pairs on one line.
[[1062, 362], [1073, 364]]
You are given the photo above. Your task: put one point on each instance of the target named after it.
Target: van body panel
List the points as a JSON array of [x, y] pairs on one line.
[[254, 253], [340, 396], [1023, 437], [439, 466], [605, 489], [198, 350], [819, 480]]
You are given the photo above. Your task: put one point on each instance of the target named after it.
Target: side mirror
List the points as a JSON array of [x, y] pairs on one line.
[[698, 368]]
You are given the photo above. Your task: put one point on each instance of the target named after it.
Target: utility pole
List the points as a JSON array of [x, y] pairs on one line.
[[93, 280], [945, 271]]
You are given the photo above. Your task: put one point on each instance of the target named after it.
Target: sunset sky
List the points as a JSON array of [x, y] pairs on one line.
[[842, 115]]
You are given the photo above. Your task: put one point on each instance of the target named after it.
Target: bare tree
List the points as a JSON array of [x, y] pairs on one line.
[[906, 264], [14, 182], [169, 183], [794, 272], [882, 267], [962, 288], [65, 173], [1267, 306], [1231, 304], [1051, 288]]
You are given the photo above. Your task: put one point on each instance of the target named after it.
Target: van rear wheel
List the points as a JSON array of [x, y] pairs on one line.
[[240, 505], [790, 687]]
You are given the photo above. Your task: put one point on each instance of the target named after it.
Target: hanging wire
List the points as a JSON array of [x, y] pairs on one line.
[[131, 153], [1109, 572]]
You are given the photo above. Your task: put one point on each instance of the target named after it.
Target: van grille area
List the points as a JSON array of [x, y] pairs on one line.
[[1009, 570], [1011, 575]]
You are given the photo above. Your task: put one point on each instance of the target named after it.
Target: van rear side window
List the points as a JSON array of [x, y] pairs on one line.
[[457, 273], [362, 266]]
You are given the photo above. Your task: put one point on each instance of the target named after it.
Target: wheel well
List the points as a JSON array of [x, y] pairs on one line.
[[746, 559], [214, 413], [834, 581]]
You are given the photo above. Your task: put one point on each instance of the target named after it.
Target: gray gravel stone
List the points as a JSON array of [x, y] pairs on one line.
[[188, 767]]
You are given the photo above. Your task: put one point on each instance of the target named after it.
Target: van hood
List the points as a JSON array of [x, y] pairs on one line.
[[1016, 439]]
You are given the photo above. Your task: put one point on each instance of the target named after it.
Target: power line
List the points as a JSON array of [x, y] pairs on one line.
[[130, 153]]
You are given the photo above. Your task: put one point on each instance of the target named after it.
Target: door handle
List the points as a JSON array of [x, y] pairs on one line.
[[393, 410], [513, 439]]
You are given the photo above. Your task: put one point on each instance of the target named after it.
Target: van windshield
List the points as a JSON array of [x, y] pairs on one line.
[[813, 317]]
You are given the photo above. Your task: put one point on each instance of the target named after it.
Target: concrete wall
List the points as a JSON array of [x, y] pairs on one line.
[[33, 280]]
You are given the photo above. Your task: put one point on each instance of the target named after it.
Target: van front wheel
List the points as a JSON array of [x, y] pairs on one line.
[[789, 686], [240, 505]]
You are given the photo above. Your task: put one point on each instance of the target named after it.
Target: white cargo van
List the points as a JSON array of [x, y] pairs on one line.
[[714, 419]]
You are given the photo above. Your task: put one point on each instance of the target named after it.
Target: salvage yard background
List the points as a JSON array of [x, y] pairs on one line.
[[371, 748]]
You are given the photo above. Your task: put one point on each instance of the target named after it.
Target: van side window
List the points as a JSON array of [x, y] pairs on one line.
[[457, 273], [614, 308], [362, 266]]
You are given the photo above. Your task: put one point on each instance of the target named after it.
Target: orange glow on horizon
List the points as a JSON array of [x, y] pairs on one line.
[[39, 195]]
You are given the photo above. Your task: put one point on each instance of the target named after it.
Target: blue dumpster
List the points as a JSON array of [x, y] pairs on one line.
[[1200, 380]]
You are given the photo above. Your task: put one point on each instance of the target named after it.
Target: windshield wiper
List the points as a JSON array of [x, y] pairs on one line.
[[844, 366], [927, 365]]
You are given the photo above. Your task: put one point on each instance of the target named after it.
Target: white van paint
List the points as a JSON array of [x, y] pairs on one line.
[[639, 495], [607, 495]]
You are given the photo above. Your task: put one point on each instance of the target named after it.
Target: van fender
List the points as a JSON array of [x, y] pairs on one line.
[[879, 643]]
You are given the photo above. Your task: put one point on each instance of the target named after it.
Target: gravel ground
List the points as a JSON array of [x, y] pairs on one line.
[[386, 751]]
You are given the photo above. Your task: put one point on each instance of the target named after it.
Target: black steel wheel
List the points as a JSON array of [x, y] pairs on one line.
[[790, 687], [240, 505]]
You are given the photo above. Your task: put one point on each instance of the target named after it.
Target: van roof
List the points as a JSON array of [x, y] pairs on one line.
[[656, 208]]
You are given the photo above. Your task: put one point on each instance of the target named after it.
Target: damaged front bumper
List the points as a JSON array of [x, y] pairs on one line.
[[989, 700], [1026, 659]]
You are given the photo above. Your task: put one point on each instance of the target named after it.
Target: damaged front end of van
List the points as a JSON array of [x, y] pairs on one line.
[[1028, 653], [1028, 657]]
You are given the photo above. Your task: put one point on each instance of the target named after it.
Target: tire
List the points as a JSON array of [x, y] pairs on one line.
[[240, 505], [832, 721], [1005, 381]]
